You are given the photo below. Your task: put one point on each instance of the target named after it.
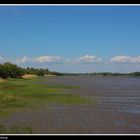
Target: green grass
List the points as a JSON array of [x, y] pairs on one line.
[[20, 93]]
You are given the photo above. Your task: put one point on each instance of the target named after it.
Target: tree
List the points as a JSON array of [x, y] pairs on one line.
[[12, 70], [41, 72], [3, 73]]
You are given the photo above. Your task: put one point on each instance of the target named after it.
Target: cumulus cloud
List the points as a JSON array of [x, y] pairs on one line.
[[24, 59], [125, 59], [89, 58], [53, 59], [43, 59], [135, 59], [85, 60], [40, 59], [120, 59]]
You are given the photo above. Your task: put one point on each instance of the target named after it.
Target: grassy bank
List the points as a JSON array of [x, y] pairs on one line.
[[20, 93]]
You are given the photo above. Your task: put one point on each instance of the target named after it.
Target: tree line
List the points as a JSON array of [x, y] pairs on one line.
[[116, 74], [9, 70], [102, 74]]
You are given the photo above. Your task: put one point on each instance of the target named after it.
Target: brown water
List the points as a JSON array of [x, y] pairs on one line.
[[117, 110]]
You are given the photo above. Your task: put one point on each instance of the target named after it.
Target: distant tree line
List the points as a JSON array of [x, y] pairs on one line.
[[102, 74], [9, 70], [116, 74], [109, 74]]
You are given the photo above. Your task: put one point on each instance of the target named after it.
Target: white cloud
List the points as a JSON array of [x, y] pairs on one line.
[[125, 59], [89, 58], [53, 59], [43, 59], [120, 59], [24, 59], [40, 59], [135, 59]]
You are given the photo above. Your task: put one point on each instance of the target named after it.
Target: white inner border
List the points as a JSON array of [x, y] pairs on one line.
[[69, 4]]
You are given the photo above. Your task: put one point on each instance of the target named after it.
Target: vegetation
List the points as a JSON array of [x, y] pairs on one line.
[[110, 74], [20, 93], [102, 74], [9, 70], [35, 71], [135, 74], [117, 74]]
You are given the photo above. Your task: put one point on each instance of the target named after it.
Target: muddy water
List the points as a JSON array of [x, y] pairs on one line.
[[117, 110]]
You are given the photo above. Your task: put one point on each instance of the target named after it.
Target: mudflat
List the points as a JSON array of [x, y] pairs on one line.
[[116, 109]]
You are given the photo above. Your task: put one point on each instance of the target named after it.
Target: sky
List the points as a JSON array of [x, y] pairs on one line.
[[71, 38]]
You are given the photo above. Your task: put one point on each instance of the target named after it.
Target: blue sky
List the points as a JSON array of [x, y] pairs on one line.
[[71, 38]]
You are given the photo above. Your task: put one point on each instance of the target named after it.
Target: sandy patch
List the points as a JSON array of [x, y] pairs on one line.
[[29, 76], [2, 80]]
